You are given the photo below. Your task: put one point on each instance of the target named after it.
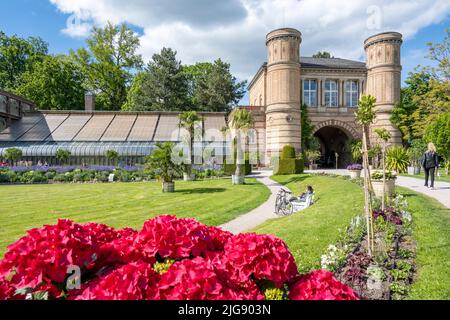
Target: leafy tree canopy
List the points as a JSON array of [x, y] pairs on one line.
[[324, 54]]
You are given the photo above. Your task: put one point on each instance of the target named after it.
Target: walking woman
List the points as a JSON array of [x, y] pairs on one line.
[[430, 164]]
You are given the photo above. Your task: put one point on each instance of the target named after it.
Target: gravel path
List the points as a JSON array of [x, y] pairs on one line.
[[261, 214]]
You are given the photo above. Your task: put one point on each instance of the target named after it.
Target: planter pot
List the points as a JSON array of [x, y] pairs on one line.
[[378, 188], [313, 167], [413, 171], [355, 174], [237, 180], [168, 187]]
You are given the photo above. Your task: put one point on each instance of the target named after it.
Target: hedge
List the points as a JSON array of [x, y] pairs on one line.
[[290, 166], [230, 169]]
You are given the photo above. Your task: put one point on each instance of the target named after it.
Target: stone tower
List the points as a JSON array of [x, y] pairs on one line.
[[384, 80], [283, 112]]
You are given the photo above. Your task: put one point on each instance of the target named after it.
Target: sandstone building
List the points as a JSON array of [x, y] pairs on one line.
[[331, 89]]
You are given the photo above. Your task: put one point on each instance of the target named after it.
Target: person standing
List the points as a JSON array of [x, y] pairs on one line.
[[430, 163]]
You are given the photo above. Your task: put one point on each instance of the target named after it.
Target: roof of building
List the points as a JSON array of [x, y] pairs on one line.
[[42, 133], [320, 63], [331, 63]]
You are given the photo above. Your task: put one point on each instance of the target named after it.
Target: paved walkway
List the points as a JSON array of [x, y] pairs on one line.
[[261, 214], [441, 194]]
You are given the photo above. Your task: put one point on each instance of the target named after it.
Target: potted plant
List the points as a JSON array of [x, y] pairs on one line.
[[355, 170], [415, 153], [312, 156], [162, 164], [241, 120], [386, 188]]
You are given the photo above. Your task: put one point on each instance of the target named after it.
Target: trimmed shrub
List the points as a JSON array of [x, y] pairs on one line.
[[288, 152], [289, 166], [230, 169]]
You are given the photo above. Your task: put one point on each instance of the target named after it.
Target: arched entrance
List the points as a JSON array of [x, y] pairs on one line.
[[334, 138]]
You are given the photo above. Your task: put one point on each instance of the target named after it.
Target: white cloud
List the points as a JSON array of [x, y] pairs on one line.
[[203, 30]]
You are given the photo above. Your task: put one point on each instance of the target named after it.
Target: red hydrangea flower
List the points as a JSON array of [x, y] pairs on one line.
[[263, 257], [6, 290], [197, 280], [320, 285], [44, 255], [177, 238], [134, 281]]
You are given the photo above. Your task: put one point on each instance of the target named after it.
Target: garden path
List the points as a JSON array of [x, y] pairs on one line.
[[261, 214], [441, 192]]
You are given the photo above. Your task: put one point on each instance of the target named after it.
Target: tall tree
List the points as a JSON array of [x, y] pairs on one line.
[[109, 62], [18, 55], [162, 86], [321, 54], [56, 83], [212, 86], [438, 132]]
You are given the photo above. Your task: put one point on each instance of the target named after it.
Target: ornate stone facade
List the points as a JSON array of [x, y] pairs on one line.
[[330, 87]]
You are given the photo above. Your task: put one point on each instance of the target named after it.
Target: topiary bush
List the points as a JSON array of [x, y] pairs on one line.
[[288, 152], [288, 162]]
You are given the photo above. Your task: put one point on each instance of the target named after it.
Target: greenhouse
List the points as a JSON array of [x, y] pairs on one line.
[[88, 136]]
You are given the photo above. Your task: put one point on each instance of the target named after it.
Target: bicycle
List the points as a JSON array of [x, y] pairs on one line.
[[283, 205]]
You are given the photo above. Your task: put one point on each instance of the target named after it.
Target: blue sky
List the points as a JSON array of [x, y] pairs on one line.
[[200, 36]]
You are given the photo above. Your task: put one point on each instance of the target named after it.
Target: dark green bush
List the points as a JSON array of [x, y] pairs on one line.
[[8, 176], [230, 169], [288, 152], [289, 166], [33, 177], [60, 178], [50, 175]]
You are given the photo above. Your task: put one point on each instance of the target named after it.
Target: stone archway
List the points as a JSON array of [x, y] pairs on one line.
[[335, 137]]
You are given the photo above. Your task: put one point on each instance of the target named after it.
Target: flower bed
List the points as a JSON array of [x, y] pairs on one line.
[[388, 273], [168, 259]]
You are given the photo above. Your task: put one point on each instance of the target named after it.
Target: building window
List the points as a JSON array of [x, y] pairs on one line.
[[351, 93], [310, 93], [331, 93]]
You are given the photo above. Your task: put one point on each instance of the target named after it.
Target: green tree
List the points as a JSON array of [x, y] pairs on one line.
[[163, 86], [189, 121], [308, 139], [241, 120], [55, 83], [324, 54], [417, 84], [108, 64], [13, 155], [63, 156], [18, 55], [212, 87], [438, 132], [112, 156]]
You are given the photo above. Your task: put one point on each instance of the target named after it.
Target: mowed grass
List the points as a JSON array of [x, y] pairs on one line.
[[431, 230], [212, 202], [309, 233]]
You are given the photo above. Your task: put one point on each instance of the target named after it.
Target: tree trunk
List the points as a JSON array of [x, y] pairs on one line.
[[383, 163], [367, 206]]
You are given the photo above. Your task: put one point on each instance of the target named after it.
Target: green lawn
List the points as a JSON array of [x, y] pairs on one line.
[[309, 232], [443, 177], [212, 202], [431, 230]]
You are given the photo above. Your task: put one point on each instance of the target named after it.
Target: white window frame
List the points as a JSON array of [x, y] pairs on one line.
[[351, 96], [308, 101], [330, 92]]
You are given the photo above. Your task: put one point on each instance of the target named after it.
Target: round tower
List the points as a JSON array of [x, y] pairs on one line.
[[384, 80], [283, 112]]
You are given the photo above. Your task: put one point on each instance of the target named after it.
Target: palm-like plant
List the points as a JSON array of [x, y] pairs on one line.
[[190, 120], [63, 156], [12, 155], [365, 116], [397, 159], [241, 120], [161, 162], [112, 156], [356, 150], [384, 136]]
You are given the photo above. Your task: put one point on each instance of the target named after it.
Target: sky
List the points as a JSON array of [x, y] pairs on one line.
[[234, 30]]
